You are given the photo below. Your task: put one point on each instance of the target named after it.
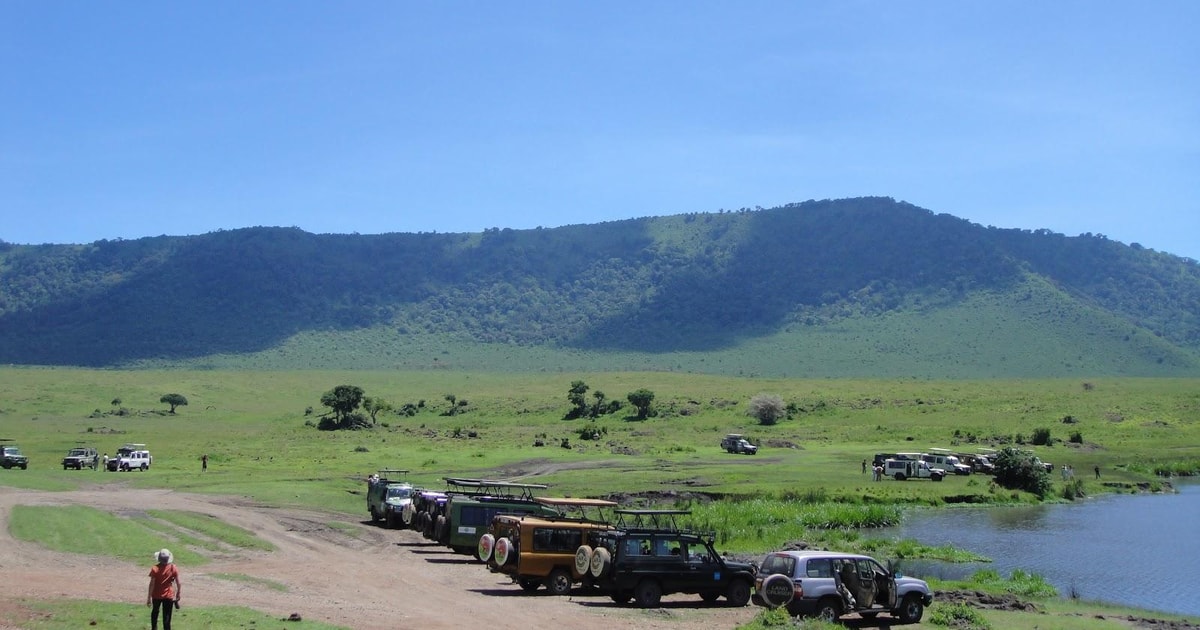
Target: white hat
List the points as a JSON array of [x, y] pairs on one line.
[[164, 556]]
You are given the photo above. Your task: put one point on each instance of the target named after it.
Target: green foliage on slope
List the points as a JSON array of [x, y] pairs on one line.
[[798, 290]]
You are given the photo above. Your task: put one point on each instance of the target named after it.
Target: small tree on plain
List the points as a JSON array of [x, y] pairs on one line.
[[375, 406], [578, 401], [767, 408], [175, 400], [343, 400], [641, 399]]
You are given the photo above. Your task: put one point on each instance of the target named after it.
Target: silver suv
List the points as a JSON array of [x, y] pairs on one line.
[[829, 584]]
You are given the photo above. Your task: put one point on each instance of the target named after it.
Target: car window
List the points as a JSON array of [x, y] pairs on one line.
[[699, 554], [779, 564], [556, 539], [819, 568]]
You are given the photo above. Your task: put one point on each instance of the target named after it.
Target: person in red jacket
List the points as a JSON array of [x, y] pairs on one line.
[[165, 589]]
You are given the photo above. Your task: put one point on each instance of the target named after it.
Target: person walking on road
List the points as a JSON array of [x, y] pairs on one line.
[[165, 589]]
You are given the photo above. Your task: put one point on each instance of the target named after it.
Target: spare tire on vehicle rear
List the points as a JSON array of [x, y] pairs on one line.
[[583, 560], [487, 543], [601, 561], [503, 551], [777, 590]]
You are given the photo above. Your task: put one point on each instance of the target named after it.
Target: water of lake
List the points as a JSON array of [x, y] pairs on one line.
[[1135, 550]]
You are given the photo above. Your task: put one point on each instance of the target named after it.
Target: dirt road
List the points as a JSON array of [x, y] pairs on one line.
[[353, 574]]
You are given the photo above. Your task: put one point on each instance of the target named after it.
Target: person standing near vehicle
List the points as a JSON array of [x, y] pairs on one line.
[[165, 589], [105, 461]]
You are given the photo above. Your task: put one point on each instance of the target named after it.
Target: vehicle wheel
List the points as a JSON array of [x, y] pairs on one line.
[[899, 476], [374, 516], [24, 466], [439, 528], [738, 593], [503, 551], [65, 467], [601, 561], [583, 559], [828, 609], [145, 467], [406, 517], [621, 597], [559, 582], [710, 596], [911, 609], [529, 586], [483, 550], [936, 477], [647, 593]]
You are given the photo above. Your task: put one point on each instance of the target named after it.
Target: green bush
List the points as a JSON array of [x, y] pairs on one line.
[[1041, 437], [1022, 470], [959, 616]]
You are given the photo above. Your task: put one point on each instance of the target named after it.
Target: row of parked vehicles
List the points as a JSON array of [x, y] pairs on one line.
[[630, 555]]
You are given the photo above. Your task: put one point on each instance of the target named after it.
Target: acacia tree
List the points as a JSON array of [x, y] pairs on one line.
[[577, 399], [343, 400], [175, 400], [375, 406], [767, 408], [641, 399]]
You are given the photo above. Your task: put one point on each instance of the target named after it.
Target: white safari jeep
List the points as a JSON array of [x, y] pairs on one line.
[[131, 457]]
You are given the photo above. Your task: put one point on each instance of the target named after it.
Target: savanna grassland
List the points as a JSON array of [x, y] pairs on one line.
[[258, 429], [261, 443]]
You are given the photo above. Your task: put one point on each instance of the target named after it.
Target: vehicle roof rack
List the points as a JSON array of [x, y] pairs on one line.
[[640, 519], [493, 487]]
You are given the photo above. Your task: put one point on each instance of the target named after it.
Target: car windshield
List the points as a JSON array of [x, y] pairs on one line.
[[77, 451], [399, 493]]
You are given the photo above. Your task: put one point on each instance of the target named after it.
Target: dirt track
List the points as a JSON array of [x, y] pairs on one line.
[[362, 577]]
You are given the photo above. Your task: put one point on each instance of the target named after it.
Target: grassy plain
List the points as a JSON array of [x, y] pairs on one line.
[[260, 442], [259, 436]]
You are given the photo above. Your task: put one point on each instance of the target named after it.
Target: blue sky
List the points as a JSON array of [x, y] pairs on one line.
[[131, 119]]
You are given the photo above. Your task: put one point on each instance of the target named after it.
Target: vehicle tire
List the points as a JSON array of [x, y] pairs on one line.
[[559, 582], [777, 591], [710, 596], [738, 593], [621, 597], [374, 516], [899, 476], [911, 609], [406, 517], [439, 528], [648, 593], [24, 466], [503, 551], [583, 560], [529, 586], [65, 467], [936, 477], [601, 561], [828, 609], [390, 521], [483, 551], [145, 467]]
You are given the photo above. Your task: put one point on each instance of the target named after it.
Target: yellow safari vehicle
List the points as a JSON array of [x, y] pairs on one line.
[[537, 550]]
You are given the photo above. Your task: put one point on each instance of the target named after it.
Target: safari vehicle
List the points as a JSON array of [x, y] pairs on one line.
[[420, 512], [946, 460], [829, 584], [472, 503], [131, 457], [645, 556], [387, 496], [81, 457], [737, 443], [904, 469], [11, 456], [543, 550]]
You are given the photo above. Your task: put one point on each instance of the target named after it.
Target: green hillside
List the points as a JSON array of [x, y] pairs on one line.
[[858, 287]]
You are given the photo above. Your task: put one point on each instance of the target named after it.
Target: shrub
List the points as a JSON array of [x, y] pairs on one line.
[[767, 408], [1073, 489], [959, 616], [1041, 437], [1076, 437], [1022, 470]]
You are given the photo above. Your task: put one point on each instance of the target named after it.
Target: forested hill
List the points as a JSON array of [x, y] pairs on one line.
[[663, 293]]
